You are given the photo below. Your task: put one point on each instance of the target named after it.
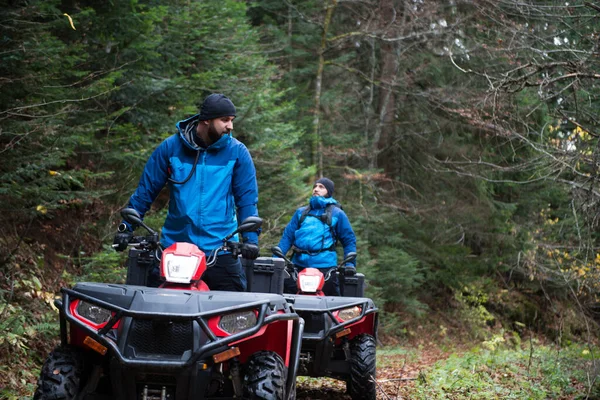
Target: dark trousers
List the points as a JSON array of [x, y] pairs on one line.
[[226, 274], [331, 287]]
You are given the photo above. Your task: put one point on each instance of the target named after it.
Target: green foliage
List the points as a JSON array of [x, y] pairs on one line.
[[105, 266], [37, 104], [392, 273], [540, 372], [24, 327], [471, 309]]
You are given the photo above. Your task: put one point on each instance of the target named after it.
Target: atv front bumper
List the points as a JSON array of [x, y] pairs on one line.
[[172, 336]]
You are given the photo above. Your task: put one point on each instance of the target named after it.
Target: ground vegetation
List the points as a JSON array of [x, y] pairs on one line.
[[462, 136]]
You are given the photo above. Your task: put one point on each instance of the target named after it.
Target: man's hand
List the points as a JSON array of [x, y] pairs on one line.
[[121, 241], [349, 270], [250, 251]]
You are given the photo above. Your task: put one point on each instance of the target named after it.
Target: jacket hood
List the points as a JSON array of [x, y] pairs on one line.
[[319, 202], [187, 130]]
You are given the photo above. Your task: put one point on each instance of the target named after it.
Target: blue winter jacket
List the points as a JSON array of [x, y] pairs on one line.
[[317, 237], [204, 209]]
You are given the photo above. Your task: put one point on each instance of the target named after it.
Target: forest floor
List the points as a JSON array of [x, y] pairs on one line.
[[398, 368], [429, 366]]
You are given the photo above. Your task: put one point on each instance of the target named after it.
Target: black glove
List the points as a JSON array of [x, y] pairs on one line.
[[250, 251], [121, 241], [349, 270]]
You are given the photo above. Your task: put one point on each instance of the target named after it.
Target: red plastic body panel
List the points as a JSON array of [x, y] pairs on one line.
[[186, 250], [276, 337], [364, 325], [312, 272]]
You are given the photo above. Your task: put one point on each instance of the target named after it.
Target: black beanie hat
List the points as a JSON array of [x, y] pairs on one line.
[[328, 183], [216, 105]]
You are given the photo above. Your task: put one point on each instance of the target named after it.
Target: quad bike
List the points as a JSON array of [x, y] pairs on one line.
[[177, 342], [340, 333]]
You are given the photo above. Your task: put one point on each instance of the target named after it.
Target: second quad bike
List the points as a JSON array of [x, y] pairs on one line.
[[176, 342], [340, 332]]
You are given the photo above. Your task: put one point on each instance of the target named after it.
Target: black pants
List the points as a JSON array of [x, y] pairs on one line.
[[226, 274], [331, 287]]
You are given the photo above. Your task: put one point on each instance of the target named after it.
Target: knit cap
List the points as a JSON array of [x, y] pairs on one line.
[[328, 183], [216, 105]]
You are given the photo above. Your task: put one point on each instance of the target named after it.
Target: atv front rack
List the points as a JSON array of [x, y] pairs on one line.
[[318, 306], [215, 344]]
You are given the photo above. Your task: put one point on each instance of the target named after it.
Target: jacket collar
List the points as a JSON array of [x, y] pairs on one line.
[[187, 128], [320, 202]]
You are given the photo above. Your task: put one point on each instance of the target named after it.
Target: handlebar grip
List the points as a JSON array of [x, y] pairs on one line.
[[233, 247]]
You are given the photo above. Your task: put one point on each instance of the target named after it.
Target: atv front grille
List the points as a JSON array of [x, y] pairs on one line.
[[313, 322], [148, 337]]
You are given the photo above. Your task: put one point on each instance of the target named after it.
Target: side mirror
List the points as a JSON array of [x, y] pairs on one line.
[[247, 225], [134, 218], [349, 258], [250, 224], [279, 253]]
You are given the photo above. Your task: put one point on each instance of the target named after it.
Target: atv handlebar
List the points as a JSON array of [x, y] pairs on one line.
[[235, 248], [151, 242], [292, 271]]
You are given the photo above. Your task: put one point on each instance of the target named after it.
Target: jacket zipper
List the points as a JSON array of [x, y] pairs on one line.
[[201, 194]]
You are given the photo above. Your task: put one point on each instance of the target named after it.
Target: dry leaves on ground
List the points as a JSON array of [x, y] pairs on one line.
[[395, 377]]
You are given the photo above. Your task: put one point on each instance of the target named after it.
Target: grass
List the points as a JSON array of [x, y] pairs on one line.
[[536, 372], [492, 370]]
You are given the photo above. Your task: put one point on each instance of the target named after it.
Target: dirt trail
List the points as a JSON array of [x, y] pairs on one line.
[[395, 376]]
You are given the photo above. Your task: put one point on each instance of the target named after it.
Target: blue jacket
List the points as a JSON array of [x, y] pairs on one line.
[[317, 237], [204, 209]]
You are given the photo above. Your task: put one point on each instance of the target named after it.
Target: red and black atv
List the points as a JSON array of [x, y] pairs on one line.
[[340, 333], [176, 342]]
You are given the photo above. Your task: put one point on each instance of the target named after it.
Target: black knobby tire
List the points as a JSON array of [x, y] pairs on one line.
[[61, 375], [265, 377], [361, 384]]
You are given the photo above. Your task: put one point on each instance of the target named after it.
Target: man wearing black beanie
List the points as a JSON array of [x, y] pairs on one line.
[[327, 184], [215, 119], [212, 187], [312, 234]]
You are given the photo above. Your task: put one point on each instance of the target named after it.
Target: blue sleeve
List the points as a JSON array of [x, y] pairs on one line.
[[345, 234], [153, 179], [289, 233], [245, 191]]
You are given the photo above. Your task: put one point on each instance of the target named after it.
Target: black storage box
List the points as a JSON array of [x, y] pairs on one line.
[[139, 263], [265, 274], [354, 286]]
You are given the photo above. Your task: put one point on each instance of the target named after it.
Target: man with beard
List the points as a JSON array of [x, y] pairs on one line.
[[212, 185], [313, 233]]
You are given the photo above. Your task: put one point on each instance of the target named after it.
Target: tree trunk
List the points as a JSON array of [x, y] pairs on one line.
[[387, 96], [317, 140]]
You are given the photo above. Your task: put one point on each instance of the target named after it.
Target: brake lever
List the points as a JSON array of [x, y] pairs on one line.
[[211, 260], [291, 273]]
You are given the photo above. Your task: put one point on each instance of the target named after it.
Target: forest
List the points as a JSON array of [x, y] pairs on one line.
[[462, 136]]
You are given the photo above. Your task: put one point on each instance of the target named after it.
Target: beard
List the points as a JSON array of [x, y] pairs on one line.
[[213, 134]]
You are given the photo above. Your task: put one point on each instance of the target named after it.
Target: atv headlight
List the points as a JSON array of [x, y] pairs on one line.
[[346, 314], [237, 322], [92, 312], [180, 269], [309, 283]]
